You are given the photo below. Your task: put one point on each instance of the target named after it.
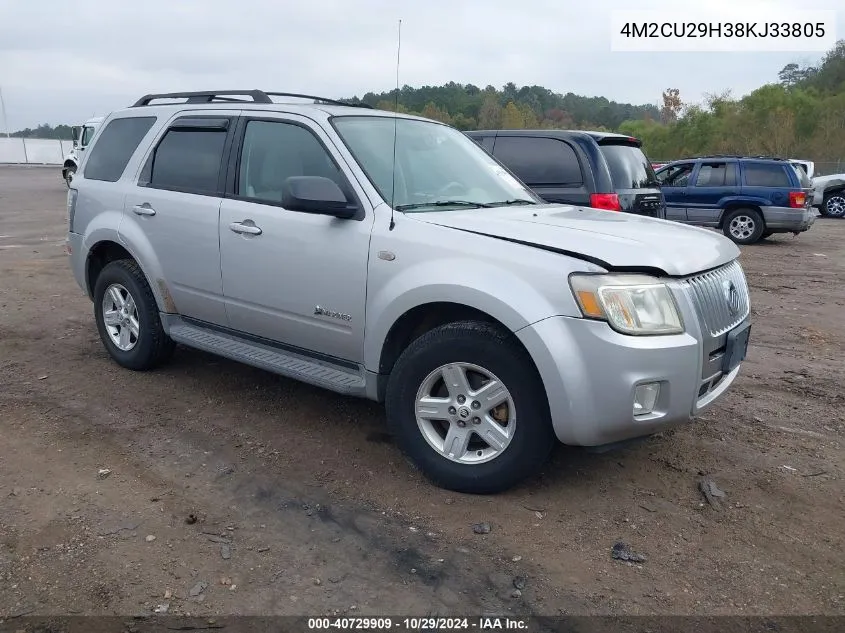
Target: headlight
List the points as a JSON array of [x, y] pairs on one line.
[[631, 304]]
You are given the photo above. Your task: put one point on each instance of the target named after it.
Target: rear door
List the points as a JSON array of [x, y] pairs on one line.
[[632, 177], [711, 185], [549, 166], [175, 205], [673, 183]]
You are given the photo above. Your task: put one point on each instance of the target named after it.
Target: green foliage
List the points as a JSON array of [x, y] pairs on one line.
[[803, 116], [61, 132], [469, 107]]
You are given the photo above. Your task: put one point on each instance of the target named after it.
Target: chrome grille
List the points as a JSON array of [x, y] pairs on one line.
[[720, 297]]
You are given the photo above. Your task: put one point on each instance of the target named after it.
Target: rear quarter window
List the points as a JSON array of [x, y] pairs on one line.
[[766, 175], [539, 161], [115, 146]]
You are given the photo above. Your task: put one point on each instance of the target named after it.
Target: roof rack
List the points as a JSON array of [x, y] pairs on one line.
[[254, 96], [737, 156], [359, 104]]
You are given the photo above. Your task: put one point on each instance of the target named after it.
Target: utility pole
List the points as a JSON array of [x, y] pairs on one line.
[[3, 112]]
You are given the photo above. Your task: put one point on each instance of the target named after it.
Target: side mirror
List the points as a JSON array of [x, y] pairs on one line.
[[316, 194]]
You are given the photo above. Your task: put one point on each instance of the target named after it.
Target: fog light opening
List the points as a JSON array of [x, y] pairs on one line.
[[645, 398]]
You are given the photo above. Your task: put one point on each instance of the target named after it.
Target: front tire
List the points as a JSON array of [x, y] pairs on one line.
[[127, 317], [69, 173], [833, 205], [743, 226], [467, 406]]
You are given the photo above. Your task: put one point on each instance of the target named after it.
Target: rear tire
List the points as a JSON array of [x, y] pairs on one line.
[[833, 205], [127, 317], [743, 226], [496, 433]]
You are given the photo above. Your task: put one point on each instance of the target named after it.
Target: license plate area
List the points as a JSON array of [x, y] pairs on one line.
[[736, 347]]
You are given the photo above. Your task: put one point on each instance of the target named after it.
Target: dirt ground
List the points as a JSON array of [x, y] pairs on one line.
[[233, 491]]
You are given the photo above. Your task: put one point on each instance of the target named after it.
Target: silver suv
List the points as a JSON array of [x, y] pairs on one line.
[[390, 257]]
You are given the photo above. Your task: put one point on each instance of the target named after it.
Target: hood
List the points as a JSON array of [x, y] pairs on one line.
[[825, 180], [610, 239]]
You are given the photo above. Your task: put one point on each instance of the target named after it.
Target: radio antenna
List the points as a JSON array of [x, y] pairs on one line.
[[395, 113]]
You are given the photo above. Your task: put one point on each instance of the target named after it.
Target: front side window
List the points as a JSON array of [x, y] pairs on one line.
[[436, 167], [114, 148], [274, 151], [675, 176], [87, 135]]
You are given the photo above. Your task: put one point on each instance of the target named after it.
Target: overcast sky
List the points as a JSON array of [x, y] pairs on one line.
[[61, 62]]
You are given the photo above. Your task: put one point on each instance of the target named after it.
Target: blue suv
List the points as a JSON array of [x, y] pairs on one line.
[[748, 198]]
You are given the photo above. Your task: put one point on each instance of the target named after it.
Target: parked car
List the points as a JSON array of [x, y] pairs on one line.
[[590, 169], [747, 198], [828, 195], [389, 257], [82, 136]]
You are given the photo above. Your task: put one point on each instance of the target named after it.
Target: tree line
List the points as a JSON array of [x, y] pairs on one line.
[[800, 115]]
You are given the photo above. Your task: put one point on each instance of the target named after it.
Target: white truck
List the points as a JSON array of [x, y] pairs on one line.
[[828, 191], [82, 135]]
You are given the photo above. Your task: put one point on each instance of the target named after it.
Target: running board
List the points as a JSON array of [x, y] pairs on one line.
[[283, 362]]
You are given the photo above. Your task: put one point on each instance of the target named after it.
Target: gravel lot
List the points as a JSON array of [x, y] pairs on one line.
[[235, 491]]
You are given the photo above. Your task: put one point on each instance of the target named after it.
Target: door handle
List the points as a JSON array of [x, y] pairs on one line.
[[249, 229], [143, 209]]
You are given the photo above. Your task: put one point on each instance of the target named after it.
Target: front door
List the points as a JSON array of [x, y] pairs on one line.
[[673, 183], [713, 183], [292, 277]]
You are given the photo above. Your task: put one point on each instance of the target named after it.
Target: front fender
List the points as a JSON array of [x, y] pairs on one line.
[[487, 286]]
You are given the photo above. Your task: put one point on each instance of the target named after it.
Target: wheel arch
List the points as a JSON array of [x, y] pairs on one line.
[[107, 250], [422, 318]]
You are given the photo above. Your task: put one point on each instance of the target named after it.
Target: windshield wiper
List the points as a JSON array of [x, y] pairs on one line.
[[443, 203], [502, 203]]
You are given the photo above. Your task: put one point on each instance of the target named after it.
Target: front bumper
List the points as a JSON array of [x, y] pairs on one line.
[[591, 372], [787, 219]]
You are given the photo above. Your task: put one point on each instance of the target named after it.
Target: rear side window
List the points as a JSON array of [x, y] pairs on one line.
[[716, 175], [766, 175], [629, 167], [115, 146], [539, 161], [187, 160]]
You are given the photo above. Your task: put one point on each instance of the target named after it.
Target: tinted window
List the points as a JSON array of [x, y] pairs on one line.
[[675, 176], [274, 151], [539, 161], [188, 160], [716, 175], [766, 175], [629, 167], [115, 146]]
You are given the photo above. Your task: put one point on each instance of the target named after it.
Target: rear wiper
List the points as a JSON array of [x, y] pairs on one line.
[[443, 203]]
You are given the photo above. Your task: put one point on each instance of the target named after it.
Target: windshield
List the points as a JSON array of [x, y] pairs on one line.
[[629, 167], [87, 133], [437, 166]]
